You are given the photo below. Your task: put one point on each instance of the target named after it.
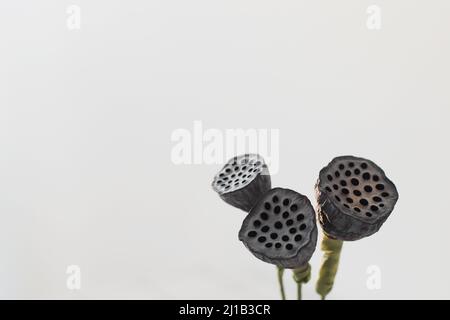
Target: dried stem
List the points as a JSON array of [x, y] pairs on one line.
[[301, 275], [330, 261], [280, 282]]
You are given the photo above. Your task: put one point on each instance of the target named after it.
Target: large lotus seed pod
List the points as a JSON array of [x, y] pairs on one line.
[[243, 181], [281, 229], [354, 198]]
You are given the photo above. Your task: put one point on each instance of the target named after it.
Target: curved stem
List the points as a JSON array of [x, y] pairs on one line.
[[301, 275], [280, 282], [330, 261]]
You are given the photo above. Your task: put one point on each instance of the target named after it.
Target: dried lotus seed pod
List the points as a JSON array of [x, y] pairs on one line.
[[281, 229], [243, 181], [354, 198]]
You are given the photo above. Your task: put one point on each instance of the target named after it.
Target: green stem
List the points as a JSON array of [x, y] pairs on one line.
[[299, 291], [280, 282], [301, 275], [330, 261]]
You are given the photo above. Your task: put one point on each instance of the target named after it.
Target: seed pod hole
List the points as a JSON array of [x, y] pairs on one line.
[[252, 234]]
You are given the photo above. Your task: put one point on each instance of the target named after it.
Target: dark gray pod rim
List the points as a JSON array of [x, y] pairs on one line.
[[242, 181], [281, 229], [354, 198]]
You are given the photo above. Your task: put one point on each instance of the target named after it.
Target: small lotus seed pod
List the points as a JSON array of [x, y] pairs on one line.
[[243, 181], [281, 229], [354, 198]]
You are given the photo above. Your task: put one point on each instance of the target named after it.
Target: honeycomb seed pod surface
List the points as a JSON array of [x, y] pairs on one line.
[[243, 181], [354, 198], [281, 229]]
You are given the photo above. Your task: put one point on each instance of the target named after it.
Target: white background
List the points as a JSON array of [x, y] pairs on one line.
[[86, 118]]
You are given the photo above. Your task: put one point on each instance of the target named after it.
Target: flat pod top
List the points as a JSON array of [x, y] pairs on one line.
[[279, 226], [358, 188], [238, 173]]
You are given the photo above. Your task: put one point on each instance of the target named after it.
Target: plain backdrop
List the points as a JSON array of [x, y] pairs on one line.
[[86, 118]]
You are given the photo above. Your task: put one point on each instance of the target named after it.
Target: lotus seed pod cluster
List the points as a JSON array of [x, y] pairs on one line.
[[281, 229], [354, 198], [243, 181]]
